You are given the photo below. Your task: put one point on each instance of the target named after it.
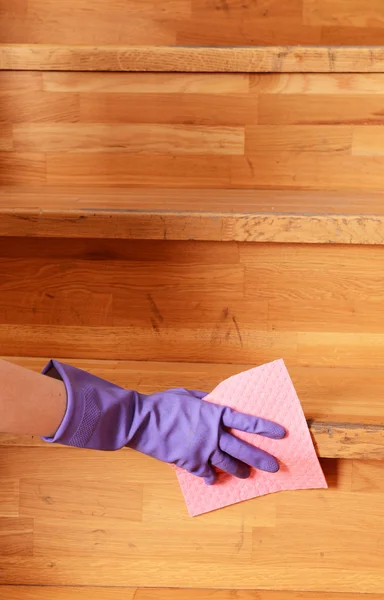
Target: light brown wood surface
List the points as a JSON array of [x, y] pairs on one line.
[[346, 421], [284, 132], [216, 215], [192, 22], [124, 593], [119, 519], [313, 305], [261, 59]]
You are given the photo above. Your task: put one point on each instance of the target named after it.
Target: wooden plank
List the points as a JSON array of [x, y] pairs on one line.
[[36, 107], [353, 436], [367, 478], [6, 141], [142, 83], [295, 138], [124, 169], [22, 168], [16, 536], [357, 13], [166, 108], [130, 138], [171, 130], [263, 525], [368, 141], [193, 22], [21, 81], [348, 440], [215, 215], [320, 109], [308, 171], [308, 84], [268, 59], [47, 498], [9, 497], [20, 592]]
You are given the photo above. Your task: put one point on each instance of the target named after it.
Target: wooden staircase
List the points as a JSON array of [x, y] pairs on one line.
[[171, 214]]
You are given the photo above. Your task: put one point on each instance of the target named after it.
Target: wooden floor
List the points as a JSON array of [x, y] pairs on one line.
[[72, 517], [83, 525], [192, 22], [79, 518], [265, 131]]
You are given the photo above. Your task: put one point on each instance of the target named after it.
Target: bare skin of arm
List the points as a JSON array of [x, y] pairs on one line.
[[30, 403]]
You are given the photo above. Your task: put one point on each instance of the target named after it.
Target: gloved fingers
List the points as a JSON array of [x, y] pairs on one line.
[[210, 479], [230, 465], [237, 420], [255, 457], [207, 472]]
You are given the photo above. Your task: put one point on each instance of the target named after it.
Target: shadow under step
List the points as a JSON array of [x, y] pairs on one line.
[[343, 407]]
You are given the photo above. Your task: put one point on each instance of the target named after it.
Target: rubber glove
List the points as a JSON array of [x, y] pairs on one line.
[[176, 426]]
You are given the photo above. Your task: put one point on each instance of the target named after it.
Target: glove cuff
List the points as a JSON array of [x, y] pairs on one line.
[[83, 412]]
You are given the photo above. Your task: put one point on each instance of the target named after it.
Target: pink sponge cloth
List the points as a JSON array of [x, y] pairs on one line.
[[268, 392]]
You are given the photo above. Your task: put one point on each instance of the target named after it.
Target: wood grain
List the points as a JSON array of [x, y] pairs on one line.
[[216, 215], [92, 593], [193, 22], [268, 59], [6, 142], [367, 141], [9, 498], [36, 107], [169, 108], [50, 500], [22, 168], [146, 83], [274, 139], [136, 170], [137, 138], [315, 305], [272, 132], [19, 592], [16, 536], [337, 13], [267, 522]]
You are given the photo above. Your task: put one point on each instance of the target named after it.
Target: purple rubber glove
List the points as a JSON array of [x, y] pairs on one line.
[[176, 426]]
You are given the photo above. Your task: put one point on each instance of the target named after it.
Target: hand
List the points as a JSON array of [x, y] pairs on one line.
[[176, 426], [179, 427]]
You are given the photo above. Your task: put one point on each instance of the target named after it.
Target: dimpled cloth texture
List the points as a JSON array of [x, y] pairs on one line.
[[268, 392]]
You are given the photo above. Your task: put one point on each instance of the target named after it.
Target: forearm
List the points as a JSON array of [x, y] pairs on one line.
[[30, 403]]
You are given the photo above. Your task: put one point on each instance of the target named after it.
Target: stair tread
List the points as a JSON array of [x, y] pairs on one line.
[[343, 406], [200, 214], [208, 59]]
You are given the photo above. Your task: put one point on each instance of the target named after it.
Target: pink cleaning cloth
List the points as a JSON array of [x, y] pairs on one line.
[[268, 392]]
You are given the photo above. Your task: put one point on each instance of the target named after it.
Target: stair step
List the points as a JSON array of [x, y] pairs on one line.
[[215, 215], [201, 59], [345, 416]]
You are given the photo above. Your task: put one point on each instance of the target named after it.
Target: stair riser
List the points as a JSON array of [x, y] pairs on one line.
[[271, 131]]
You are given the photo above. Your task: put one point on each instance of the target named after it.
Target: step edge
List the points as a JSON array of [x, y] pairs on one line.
[[258, 226]]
